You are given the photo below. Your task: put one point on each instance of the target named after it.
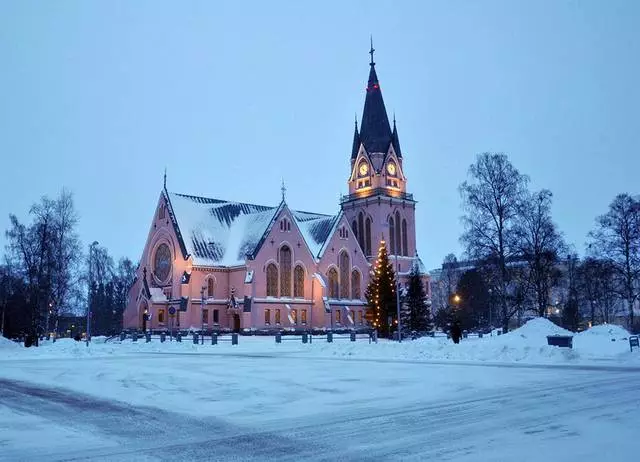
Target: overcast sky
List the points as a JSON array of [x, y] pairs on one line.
[[100, 96]]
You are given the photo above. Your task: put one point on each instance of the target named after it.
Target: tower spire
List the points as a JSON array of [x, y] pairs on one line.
[[375, 130], [372, 51], [165, 179], [283, 189]]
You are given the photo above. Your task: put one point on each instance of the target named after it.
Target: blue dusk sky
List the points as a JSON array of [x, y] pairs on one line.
[[100, 96]]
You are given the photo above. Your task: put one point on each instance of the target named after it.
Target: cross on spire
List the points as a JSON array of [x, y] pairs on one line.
[[371, 51], [283, 189]]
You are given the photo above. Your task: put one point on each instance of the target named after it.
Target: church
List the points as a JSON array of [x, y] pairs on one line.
[[218, 264]]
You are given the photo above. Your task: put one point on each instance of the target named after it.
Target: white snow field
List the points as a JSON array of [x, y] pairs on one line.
[[507, 398]]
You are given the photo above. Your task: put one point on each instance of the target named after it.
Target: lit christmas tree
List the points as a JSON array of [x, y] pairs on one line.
[[381, 292]]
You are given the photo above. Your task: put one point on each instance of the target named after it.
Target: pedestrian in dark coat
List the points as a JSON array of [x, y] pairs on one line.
[[456, 332]]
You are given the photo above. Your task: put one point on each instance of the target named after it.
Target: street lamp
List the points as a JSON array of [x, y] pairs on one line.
[[91, 249], [202, 314]]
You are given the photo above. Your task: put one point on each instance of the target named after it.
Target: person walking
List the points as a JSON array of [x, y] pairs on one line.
[[456, 332]]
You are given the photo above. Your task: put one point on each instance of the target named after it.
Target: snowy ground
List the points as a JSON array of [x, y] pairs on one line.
[[500, 399]]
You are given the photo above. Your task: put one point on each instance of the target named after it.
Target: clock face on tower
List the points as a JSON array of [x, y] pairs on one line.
[[391, 168], [363, 169]]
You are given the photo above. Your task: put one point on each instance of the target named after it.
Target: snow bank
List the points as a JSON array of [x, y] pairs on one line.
[[5, 343], [612, 331], [528, 344], [538, 328]]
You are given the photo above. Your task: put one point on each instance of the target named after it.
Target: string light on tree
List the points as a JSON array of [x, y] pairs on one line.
[[381, 292]]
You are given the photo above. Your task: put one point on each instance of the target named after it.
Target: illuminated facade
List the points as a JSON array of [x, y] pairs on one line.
[[238, 266]]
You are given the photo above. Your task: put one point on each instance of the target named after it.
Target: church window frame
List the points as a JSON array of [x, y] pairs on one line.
[[356, 284], [405, 248], [285, 259], [398, 235], [333, 280], [344, 263], [272, 280], [368, 236], [392, 235], [298, 281], [211, 287], [361, 232]]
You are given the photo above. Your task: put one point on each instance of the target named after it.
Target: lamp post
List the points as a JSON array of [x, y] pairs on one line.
[[490, 309], [202, 313], [91, 247], [398, 300]]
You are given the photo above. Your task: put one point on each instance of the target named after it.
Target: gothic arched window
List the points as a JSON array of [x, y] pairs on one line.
[[345, 267], [210, 287], [272, 280], [332, 275], [361, 232], [398, 236], [368, 236], [405, 249], [355, 284], [392, 236], [298, 282], [285, 271]]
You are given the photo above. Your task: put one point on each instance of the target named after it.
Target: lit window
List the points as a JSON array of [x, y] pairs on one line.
[[278, 316], [303, 317], [338, 317], [161, 316], [267, 316], [360, 317], [205, 316], [294, 316]]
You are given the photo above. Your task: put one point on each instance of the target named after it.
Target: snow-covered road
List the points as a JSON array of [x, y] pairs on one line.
[[251, 407]]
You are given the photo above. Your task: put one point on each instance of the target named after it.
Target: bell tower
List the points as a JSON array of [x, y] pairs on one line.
[[378, 205]]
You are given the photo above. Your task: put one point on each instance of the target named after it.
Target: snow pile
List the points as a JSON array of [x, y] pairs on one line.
[[606, 339], [612, 331], [5, 343], [537, 330]]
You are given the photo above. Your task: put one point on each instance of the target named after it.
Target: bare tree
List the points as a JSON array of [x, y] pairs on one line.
[[617, 239], [597, 285], [540, 244], [67, 257], [491, 201], [45, 253]]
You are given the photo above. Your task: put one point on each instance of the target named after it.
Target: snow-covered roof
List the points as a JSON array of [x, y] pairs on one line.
[[224, 233]]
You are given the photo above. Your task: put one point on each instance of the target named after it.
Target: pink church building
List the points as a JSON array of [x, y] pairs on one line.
[[218, 264]]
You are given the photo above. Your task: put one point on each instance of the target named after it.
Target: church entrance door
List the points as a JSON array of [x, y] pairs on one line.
[[236, 323]]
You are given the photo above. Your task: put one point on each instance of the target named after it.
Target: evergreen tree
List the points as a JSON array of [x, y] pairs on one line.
[[381, 293], [416, 315]]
